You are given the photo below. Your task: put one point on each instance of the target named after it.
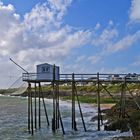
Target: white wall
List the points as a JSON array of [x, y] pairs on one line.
[[45, 72]]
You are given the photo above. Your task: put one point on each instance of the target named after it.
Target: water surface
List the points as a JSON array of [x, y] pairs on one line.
[[13, 122]]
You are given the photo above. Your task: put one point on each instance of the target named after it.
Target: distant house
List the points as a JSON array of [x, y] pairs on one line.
[[139, 77], [114, 77], [133, 76], [45, 72], [91, 79]]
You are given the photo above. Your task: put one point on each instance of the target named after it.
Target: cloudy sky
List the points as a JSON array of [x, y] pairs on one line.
[[81, 36]]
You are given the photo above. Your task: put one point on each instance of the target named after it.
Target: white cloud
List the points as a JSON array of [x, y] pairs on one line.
[[40, 36], [110, 42], [55, 52], [40, 31], [104, 39], [135, 11], [94, 59], [136, 62], [81, 58], [60, 7], [114, 70], [97, 26], [110, 22], [124, 43]]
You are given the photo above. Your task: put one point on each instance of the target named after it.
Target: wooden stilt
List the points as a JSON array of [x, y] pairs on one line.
[[57, 105], [73, 105], [80, 110], [98, 101], [35, 107], [39, 108], [46, 114], [137, 104], [29, 86], [62, 126], [54, 109], [32, 127]]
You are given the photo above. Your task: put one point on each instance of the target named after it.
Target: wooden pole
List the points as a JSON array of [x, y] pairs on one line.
[[35, 108], [137, 104], [46, 114], [122, 102], [80, 110], [98, 100], [39, 109], [57, 105], [61, 122], [53, 85], [31, 113], [73, 104], [29, 86], [108, 92], [124, 98]]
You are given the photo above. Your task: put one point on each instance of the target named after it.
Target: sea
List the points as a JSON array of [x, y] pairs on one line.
[[13, 122]]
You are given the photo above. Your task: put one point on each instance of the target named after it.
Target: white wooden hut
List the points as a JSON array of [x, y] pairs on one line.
[[45, 72]]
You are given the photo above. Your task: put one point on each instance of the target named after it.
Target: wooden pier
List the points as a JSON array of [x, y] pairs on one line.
[[35, 85]]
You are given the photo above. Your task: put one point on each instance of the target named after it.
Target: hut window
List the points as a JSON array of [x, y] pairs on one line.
[[45, 69]]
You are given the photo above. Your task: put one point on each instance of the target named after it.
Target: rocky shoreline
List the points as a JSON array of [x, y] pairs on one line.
[[131, 121]]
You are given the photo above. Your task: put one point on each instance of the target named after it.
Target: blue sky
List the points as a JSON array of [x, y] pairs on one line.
[[81, 36]]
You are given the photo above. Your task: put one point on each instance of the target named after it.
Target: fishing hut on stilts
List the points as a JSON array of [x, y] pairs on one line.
[[51, 74], [48, 73]]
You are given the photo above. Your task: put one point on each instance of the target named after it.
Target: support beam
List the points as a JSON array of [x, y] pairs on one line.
[[32, 121], [62, 126], [35, 111], [133, 97], [80, 110], [39, 107], [29, 110], [98, 101], [56, 111], [54, 108], [46, 114], [73, 105], [57, 105], [122, 100], [108, 92]]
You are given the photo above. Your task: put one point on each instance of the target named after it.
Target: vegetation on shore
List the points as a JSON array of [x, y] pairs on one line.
[[131, 120], [10, 90], [86, 94]]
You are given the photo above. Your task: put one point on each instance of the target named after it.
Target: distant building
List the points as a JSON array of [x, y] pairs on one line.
[[133, 76], [138, 77], [91, 79], [114, 77], [45, 72]]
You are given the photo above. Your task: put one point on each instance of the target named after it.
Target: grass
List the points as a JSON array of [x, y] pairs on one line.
[[90, 99], [82, 99], [10, 90], [85, 92]]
